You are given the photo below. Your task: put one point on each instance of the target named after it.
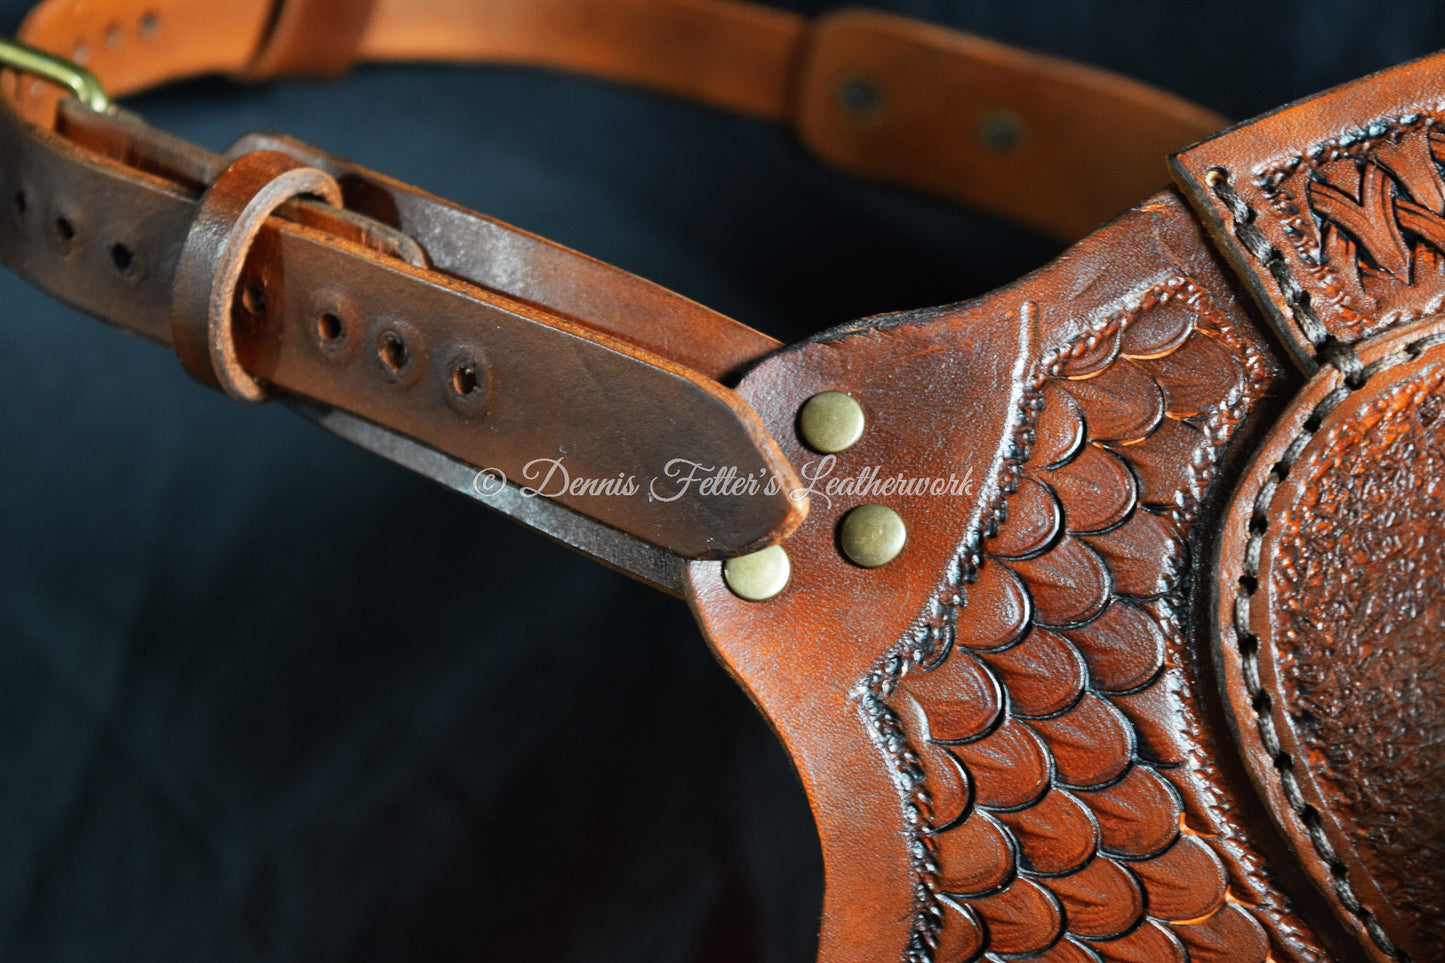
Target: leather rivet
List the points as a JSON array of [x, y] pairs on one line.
[[1001, 131], [758, 576], [831, 422], [872, 535], [860, 96]]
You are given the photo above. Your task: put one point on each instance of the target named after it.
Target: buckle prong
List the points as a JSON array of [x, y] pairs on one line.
[[57, 70]]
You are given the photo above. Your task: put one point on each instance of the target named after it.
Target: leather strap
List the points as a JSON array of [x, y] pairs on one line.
[[100, 177], [540, 382], [1049, 143], [290, 46]]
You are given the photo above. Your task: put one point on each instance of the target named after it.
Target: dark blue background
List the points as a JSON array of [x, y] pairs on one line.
[[263, 697]]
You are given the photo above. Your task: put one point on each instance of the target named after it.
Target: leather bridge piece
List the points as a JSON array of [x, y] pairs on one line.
[[1333, 210]]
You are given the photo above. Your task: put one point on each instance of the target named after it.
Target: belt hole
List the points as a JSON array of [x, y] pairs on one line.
[[22, 202], [464, 380], [392, 352], [253, 299], [150, 25], [122, 258], [330, 328], [467, 387], [64, 232], [113, 35]]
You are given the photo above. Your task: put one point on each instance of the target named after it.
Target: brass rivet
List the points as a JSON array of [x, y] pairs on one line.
[[759, 575], [872, 535], [830, 422]]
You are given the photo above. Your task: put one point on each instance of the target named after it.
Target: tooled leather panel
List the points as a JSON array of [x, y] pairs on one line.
[[1331, 641], [1363, 640], [1073, 806], [1334, 208], [1056, 792]]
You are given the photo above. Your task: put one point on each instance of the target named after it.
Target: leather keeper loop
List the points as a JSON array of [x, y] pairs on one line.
[[231, 214], [312, 38]]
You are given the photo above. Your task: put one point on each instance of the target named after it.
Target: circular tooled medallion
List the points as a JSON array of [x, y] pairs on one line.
[[1331, 618]]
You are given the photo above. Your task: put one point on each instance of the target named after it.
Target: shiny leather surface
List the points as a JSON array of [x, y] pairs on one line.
[[1026, 675], [1328, 631]]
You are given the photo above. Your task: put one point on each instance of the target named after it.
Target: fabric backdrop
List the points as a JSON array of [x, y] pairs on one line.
[[263, 697]]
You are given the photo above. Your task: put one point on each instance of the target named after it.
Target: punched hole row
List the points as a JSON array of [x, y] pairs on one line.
[[394, 355], [123, 258], [148, 28], [464, 379]]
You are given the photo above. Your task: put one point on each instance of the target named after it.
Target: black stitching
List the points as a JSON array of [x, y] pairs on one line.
[[1296, 298], [1355, 375]]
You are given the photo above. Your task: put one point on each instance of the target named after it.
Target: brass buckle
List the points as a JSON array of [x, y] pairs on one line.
[[57, 70]]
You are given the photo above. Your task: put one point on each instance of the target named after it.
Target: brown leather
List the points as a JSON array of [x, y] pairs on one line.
[[611, 406], [1333, 210], [1049, 784], [204, 310], [289, 45], [1033, 138], [1082, 125], [1330, 629], [1012, 738], [1330, 209], [737, 56], [1108, 132], [505, 259], [653, 42]]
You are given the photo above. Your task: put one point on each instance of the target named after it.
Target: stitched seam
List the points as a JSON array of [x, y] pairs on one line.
[[1354, 375]]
